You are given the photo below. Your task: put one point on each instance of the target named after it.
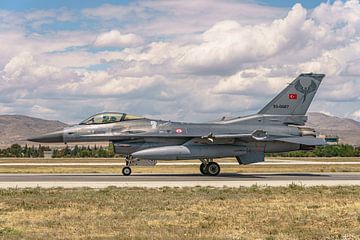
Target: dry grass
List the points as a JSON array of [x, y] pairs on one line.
[[294, 212]]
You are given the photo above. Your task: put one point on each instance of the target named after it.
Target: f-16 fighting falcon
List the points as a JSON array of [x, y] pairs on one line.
[[278, 127]]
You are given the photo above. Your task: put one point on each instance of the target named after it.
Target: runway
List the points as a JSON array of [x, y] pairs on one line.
[[176, 180]]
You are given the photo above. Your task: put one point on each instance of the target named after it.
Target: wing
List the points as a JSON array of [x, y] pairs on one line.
[[310, 141], [257, 135]]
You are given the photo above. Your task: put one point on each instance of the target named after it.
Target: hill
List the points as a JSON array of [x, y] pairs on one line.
[[17, 128], [347, 129]]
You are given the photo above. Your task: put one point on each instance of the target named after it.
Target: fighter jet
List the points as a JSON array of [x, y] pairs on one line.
[[278, 127]]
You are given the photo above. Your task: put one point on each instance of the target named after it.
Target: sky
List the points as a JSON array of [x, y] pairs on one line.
[[174, 60]]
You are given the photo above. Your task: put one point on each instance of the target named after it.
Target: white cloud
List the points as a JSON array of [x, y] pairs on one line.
[[356, 115], [79, 59], [228, 44], [16, 65], [258, 82], [5, 109], [38, 110], [195, 60], [181, 18], [101, 83], [23, 68], [115, 39], [15, 42]]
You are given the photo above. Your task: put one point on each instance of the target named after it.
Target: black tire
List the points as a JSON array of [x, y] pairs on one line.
[[203, 169], [213, 169], [126, 171]]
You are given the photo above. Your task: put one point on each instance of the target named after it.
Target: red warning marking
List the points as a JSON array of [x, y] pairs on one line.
[[292, 96], [178, 130]]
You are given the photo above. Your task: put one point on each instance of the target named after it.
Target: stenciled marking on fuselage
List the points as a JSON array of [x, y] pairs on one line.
[[280, 106]]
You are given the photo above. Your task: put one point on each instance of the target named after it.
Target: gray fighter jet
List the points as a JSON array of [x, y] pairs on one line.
[[278, 127]]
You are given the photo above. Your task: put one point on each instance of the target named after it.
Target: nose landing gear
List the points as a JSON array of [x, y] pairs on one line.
[[208, 167], [130, 161], [126, 171]]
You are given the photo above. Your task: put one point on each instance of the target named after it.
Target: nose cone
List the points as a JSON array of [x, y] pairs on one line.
[[54, 137]]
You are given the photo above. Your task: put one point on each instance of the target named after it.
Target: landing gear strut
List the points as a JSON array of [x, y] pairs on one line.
[[126, 171], [208, 167]]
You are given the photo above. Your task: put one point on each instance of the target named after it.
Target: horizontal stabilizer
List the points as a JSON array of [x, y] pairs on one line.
[[310, 141]]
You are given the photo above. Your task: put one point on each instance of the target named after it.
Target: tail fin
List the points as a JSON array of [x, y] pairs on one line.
[[295, 99]]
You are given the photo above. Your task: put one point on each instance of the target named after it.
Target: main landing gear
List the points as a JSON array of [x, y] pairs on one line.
[[208, 167]]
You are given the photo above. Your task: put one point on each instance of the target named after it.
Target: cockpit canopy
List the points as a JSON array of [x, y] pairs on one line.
[[109, 117]]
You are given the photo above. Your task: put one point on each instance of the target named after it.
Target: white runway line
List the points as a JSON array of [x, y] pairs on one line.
[[220, 184]]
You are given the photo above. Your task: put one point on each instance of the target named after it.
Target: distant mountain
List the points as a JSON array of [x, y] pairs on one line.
[[17, 128], [348, 130]]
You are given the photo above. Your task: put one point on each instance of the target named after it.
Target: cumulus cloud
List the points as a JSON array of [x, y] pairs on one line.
[[101, 83], [190, 63], [181, 18], [251, 82], [115, 39], [228, 44], [23, 65]]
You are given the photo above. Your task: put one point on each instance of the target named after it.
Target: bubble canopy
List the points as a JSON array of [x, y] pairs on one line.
[[109, 117]]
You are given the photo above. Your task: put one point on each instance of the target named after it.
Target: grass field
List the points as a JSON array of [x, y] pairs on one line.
[[291, 212]]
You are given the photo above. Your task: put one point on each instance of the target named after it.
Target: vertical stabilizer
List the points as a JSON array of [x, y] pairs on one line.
[[295, 99]]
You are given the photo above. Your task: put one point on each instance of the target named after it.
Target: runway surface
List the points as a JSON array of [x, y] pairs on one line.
[[176, 180]]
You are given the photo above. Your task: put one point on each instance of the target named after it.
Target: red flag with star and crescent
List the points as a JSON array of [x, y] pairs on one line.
[[292, 96]]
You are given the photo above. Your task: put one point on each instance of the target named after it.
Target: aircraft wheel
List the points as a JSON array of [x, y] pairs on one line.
[[126, 171], [203, 169], [213, 169]]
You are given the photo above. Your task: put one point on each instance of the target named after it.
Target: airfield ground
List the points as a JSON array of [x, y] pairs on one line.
[[26, 165], [256, 212], [293, 212]]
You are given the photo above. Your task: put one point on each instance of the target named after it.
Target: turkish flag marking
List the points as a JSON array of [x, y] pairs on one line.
[[292, 96], [178, 130]]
